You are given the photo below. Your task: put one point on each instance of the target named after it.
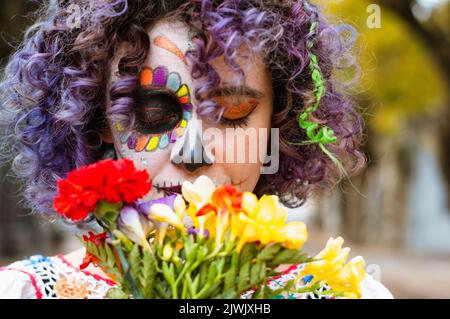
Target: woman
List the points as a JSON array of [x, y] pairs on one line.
[[150, 81]]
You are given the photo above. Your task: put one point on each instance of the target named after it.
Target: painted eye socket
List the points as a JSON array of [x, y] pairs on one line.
[[157, 111]]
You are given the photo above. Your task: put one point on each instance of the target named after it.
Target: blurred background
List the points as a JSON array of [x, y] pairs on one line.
[[396, 212]]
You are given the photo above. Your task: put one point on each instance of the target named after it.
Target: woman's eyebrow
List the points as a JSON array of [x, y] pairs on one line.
[[237, 91]]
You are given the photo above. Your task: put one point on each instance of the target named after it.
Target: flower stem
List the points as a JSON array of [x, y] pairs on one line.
[[126, 269]]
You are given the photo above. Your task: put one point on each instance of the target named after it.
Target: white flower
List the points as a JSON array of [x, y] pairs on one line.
[[164, 214], [135, 226], [199, 192]]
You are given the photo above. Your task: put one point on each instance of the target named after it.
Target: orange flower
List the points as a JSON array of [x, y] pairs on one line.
[[225, 204], [89, 259]]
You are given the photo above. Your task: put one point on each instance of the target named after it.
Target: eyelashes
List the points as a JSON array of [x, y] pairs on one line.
[[235, 123], [159, 111]]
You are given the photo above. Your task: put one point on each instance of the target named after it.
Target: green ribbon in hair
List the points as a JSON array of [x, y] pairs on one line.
[[320, 135]]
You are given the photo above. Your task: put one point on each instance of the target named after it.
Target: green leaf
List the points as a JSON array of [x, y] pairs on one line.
[[148, 274], [117, 293], [214, 290], [109, 256], [192, 284], [203, 273], [195, 283], [213, 271], [162, 287], [230, 277], [228, 294], [134, 260], [260, 291], [126, 243], [255, 273], [244, 277], [262, 276], [210, 291], [289, 256], [168, 272], [268, 252], [220, 265], [247, 253], [108, 213]]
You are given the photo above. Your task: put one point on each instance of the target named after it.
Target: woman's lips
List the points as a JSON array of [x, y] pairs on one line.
[[169, 189]]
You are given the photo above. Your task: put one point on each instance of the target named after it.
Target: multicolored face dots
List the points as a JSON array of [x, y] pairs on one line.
[[163, 108]]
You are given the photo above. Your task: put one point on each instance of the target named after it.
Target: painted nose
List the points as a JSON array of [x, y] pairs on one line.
[[191, 152], [191, 156]]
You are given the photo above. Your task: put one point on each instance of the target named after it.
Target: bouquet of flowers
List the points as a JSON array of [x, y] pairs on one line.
[[235, 244]]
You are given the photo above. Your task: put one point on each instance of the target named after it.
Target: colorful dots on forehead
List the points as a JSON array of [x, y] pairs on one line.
[[150, 79]]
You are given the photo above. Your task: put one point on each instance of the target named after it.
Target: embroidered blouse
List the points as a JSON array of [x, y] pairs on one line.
[[39, 277]]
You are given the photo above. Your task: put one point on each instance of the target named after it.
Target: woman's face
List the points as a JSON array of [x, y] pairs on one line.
[[168, 130]]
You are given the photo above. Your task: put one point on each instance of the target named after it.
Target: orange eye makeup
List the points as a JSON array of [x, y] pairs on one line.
[[237, 111], [236, 108]]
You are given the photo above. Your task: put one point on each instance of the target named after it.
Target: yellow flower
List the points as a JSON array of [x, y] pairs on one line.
[[265, 221], [349, 278], [296, 235], [167, 252], [330, 268], [198, 194], [212, 208], [222, 209]]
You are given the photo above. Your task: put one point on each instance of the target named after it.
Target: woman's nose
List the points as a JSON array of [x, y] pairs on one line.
[[191, 152]]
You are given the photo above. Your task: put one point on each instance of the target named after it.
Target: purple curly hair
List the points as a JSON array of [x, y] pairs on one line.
[[53, 100]]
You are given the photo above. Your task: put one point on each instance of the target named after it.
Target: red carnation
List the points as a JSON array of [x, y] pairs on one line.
[[124, 183], [73, 201], [111, 180]]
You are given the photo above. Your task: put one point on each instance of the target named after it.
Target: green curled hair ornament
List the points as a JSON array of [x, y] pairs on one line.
[[320, 135]]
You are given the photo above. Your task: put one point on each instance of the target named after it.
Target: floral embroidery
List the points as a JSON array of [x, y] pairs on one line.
[[54, 277], [70, 289]]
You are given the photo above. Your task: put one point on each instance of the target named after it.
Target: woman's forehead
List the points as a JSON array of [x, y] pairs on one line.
[[170, 40]]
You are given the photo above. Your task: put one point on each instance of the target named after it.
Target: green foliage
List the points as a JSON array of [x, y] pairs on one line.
[[147, 276], [196, 271], [117, 293], [108, 213]]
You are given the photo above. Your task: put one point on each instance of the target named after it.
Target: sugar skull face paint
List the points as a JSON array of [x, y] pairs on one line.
[[168, 45], [165, 112], [163, 108]]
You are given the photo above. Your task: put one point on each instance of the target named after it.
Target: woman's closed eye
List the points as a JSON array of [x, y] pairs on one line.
[[237, 113], [157, 111]]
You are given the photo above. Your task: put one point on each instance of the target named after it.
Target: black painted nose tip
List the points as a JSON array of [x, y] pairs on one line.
[[192, 159], [192, 167]]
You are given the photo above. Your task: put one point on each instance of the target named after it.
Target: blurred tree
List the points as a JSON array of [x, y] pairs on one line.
[[435, 32], [402, 91]]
